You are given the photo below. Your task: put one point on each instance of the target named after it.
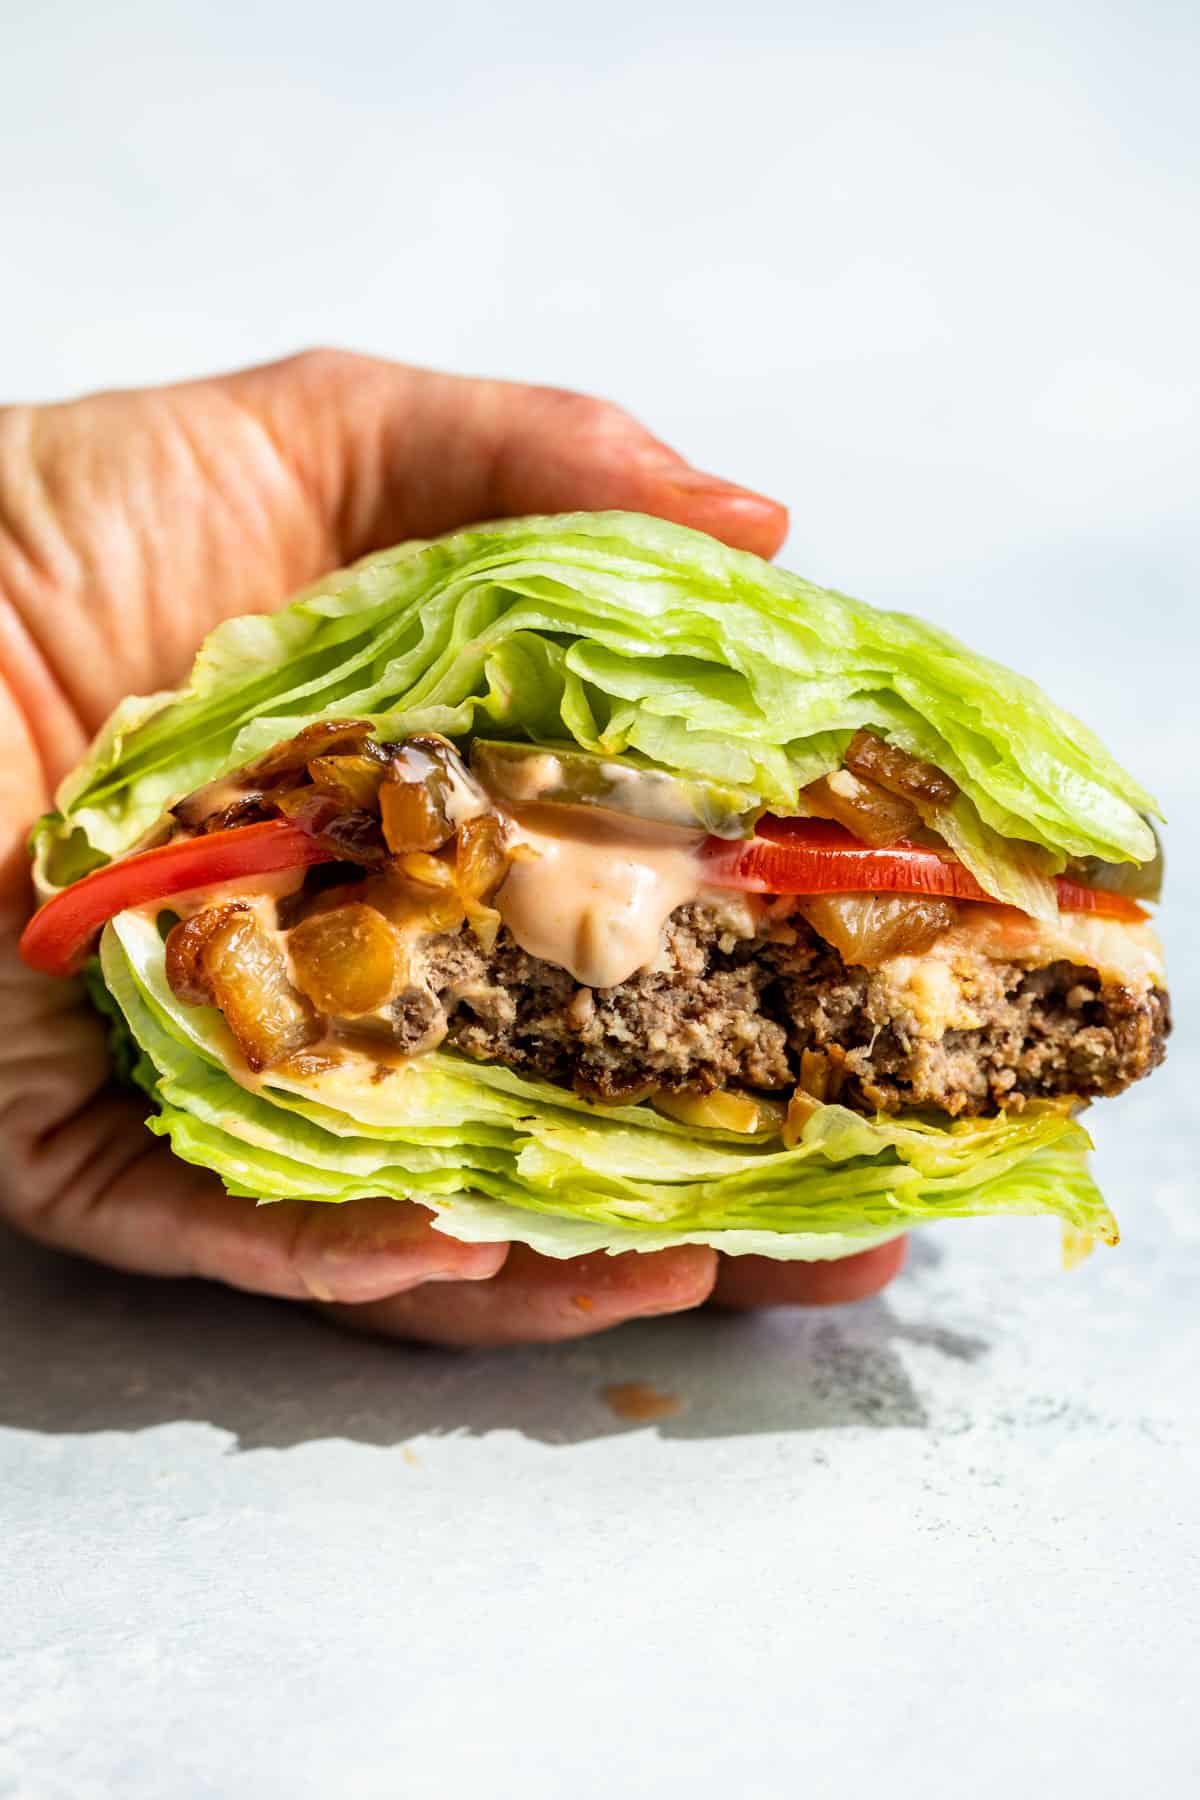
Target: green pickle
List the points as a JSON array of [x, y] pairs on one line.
[[521, 774], [1137, 881]]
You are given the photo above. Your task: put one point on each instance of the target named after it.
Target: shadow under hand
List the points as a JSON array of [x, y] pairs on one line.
[[86, 1349]]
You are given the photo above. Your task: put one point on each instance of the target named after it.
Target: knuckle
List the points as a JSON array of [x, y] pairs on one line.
[[315, 1248], [586, 414], [326, 364], [322, 356]]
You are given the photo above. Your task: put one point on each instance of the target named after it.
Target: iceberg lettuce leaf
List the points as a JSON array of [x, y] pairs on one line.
[[618, 632]]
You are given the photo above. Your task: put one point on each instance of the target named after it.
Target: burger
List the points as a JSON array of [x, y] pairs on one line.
[[601, 887]]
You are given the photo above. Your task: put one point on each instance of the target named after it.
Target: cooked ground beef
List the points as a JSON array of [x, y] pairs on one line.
[[718, 1009], [1054, 1030]]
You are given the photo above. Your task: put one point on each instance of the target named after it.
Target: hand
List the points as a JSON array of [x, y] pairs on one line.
[[130, 524]]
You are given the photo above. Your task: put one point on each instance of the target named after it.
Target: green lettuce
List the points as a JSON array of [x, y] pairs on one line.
[[625, 636], [622, 634]]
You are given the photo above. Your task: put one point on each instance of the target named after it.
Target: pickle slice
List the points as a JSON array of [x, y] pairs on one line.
[[1137, 881], [518, 774]]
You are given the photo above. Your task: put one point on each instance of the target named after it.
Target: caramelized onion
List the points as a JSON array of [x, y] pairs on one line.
[[349, 836], [187, 944], [224, 958], [480, 865], [426, 870], [894, 769], [722, 1110], [348, 961], [219, 805], [414, 816], [819, 1078], [412, 906], [321, 739], [426, 793], [354, 780], [480, 859], [875, 816], [865, 929], [485, 923], [800, 1110]]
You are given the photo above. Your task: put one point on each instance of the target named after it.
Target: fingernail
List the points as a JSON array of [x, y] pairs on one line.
[[695, 481]]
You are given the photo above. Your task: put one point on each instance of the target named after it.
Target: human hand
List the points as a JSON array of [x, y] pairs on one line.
[[130, 525]]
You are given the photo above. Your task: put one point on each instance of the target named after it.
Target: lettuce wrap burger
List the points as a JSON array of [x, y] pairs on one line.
[[602, 887]]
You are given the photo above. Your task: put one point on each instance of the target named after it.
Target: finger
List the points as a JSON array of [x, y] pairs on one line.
[[535, 1299], [392, 452], [745, 1282], [100, 1188]]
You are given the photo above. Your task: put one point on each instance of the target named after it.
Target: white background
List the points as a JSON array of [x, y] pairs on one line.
[[929, 274]]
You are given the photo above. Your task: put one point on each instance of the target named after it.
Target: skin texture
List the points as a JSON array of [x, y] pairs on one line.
[[130, 525]]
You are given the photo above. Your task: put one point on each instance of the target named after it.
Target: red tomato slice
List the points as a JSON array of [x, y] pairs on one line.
[[1074, 897], [58, 938], [787, 856], [815, 856]]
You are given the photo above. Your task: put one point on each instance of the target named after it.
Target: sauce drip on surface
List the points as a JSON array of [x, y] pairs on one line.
[[639, 1402]]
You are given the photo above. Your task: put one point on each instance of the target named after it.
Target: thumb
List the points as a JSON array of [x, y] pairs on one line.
[[389, 452]]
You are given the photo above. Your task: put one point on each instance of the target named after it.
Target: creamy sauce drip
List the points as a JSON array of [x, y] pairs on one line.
[[216, 795], [461, 796], [592, 891], [254, 891]]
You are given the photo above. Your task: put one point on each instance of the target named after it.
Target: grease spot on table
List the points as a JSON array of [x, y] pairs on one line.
[[639, 1402]]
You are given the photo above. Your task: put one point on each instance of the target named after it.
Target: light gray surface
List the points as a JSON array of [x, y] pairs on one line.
[[931, 276]]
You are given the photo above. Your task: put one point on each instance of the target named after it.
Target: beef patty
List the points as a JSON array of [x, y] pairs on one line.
[[722, 1009]]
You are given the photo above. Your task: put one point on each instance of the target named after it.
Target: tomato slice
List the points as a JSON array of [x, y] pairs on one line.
[[815, 856], [787, 856], [1074, 897], [57, 939]]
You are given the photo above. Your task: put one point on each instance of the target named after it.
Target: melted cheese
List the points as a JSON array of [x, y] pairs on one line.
[[1123, 952], [941, 990]]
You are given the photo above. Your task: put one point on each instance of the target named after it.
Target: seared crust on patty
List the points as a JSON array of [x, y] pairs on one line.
[[1054, 1030], [720, 1008]]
